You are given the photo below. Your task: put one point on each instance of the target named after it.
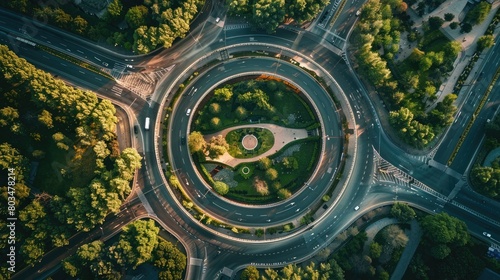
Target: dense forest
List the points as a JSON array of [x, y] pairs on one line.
[[137, 244], [269, 14], [61, 143], [140, 26]]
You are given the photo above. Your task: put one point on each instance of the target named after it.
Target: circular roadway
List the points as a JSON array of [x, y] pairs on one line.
[[252, 215]]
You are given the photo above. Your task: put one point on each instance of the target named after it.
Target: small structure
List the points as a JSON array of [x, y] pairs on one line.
[[249, 142]]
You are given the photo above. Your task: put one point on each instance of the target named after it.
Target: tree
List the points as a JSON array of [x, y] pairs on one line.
[[223, 94], [395, 236], [478, 14], [87, 253], [136, 16], [487, 180], [465, 28], [449, 16], [196, 142], [214, 108], [19, 5], [268, 14], [79, 24], [425, 64], [284, 194], [127, 163], [271, 174], [375, 250], [169, 260], [443, 231], [136, 243], [451, 49], [484, 42], [45, 117], [256, 98], [265, 163], [241, 112], [250, 273], [454, 25], [291, 163], [403, 212], [221, 187], [217, 146], [435, 23], [215, 122], [115, 8], [260, 186]]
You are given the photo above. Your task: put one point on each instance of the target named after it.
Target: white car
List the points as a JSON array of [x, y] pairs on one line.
[[487, 234], [356, 208], [188, 112]]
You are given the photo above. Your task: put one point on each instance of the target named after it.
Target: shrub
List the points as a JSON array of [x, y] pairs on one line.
[[221, 187], [271, 174], [284, 194]]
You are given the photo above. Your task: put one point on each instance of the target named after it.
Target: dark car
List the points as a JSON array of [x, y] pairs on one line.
[[183, 140], [136, 129]]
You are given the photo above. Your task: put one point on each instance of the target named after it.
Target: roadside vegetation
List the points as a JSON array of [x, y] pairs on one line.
[[486, 178], [446, 251], [61, 143], [138, 244], [140, 26], [407, 86], [269, 14], [261, 100]]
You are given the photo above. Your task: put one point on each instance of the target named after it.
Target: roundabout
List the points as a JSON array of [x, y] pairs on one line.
[[309, 193]]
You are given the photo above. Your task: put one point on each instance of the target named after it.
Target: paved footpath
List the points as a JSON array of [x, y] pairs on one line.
[[374, 228], [409, 251], [282, 136]]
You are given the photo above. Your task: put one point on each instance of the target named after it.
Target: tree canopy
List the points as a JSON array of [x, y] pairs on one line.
[[444, 231], [81, 175], [269, 14]]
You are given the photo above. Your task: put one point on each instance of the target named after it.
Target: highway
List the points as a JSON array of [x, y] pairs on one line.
[[208, 250]]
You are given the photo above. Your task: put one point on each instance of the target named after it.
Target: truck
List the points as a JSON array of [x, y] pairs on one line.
[[146, 125]]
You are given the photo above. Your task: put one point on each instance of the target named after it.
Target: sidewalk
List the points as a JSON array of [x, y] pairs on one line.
[[409, 251], [468, 42], [282, 136]]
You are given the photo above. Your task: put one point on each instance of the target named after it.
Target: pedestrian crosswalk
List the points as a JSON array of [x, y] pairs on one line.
[[117, 90], [236, 26]]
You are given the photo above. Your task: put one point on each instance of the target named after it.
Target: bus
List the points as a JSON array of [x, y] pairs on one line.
[[146, 125]]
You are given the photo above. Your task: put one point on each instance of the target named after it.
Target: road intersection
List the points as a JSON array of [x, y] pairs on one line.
[[378, 173]]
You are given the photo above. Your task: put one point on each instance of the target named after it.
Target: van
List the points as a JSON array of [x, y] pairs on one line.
[[188, 112]]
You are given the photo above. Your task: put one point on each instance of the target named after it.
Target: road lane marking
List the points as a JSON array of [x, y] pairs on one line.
[[219, 206]]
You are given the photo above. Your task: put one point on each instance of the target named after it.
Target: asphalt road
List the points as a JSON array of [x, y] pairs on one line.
[[474, 93], [211, 251], [243, 214]]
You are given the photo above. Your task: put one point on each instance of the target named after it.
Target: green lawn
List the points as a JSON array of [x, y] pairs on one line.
[[289, 178], [291, 109]]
